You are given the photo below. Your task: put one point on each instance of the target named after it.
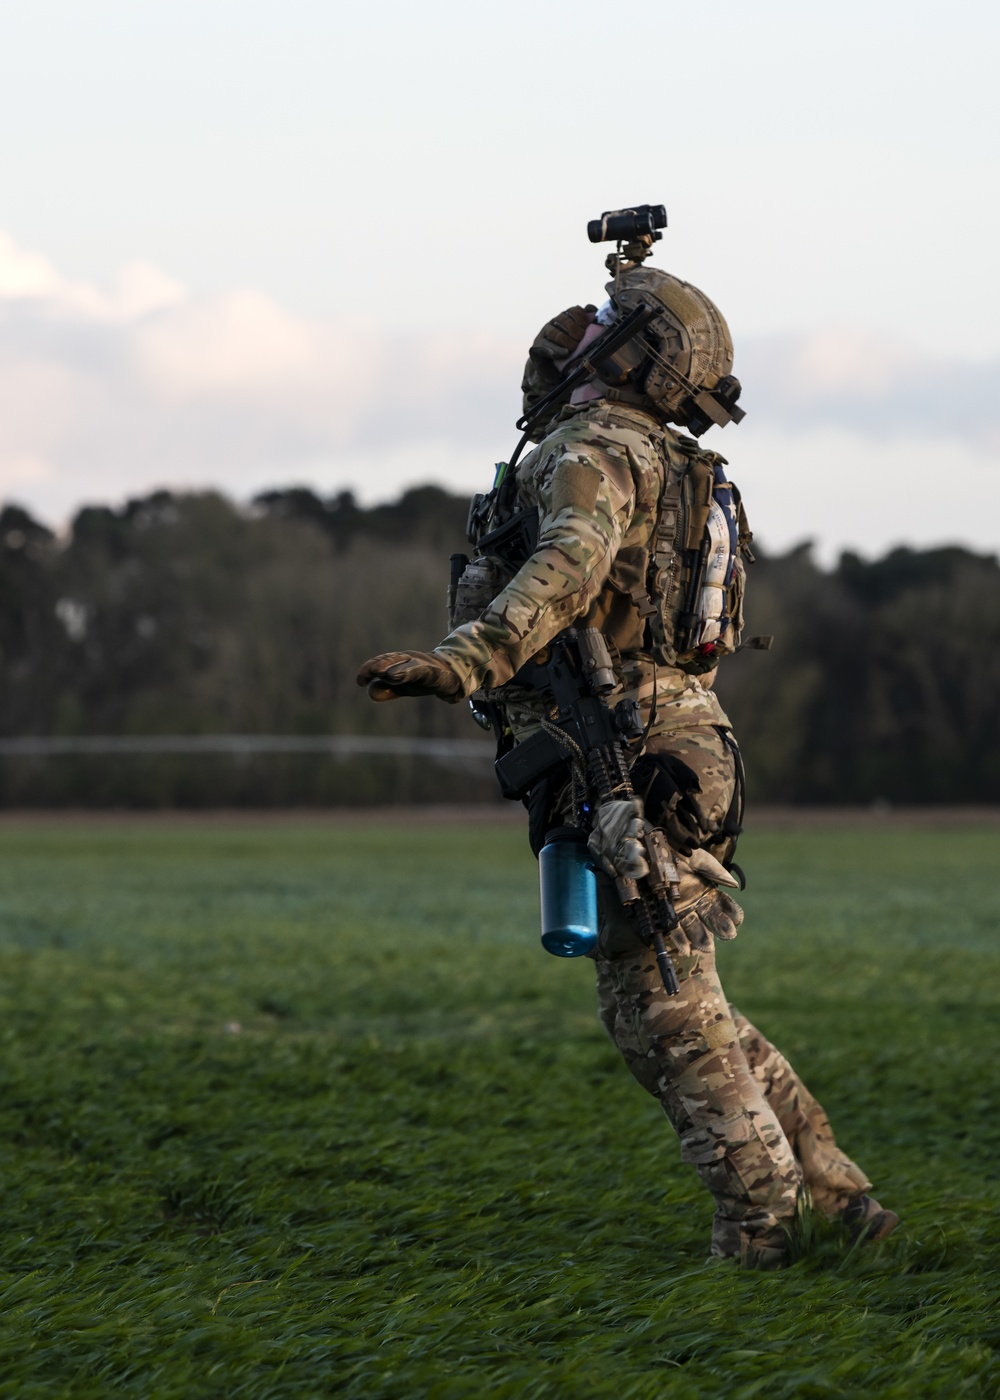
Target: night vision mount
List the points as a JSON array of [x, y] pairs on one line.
[[623, 352], [634, 229]]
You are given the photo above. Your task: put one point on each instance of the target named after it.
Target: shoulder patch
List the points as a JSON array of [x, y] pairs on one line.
[[575, 485]]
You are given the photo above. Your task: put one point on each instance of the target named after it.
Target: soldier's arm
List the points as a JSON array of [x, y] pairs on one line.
[[586, 501]]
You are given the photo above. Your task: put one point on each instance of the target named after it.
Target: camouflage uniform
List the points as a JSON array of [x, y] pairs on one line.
[[745, 1121], [633, 520]]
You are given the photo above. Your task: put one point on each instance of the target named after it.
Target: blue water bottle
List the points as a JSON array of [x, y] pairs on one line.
[[568, 894]]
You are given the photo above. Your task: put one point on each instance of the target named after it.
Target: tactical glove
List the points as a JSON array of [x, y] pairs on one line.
[[560, 336], [714, 915], [557, 339], [616, 840], [397, 673]]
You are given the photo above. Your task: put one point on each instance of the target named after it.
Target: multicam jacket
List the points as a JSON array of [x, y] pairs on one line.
[[639, 535]]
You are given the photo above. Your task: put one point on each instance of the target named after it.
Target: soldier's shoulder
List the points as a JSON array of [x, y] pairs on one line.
[[598, 430], [572, 442]]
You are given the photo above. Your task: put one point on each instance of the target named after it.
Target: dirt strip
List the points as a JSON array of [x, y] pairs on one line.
[[481, 814], [878, 814]]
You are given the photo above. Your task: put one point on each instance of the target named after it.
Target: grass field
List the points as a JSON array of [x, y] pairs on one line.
[[305, 1110]]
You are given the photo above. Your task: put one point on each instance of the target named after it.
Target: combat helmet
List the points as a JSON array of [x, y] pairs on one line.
[[681, 362]]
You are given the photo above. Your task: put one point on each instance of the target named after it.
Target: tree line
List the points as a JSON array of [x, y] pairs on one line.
[[186, 614]]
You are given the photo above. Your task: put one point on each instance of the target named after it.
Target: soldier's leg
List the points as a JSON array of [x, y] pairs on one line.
[[685, 1051], [834, 1181], [836, 1184], [607, 1004]]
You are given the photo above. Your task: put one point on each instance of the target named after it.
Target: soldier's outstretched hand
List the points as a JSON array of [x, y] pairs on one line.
[[396, 673]]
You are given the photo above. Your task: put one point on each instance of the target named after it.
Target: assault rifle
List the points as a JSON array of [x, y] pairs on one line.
[[576, 672]]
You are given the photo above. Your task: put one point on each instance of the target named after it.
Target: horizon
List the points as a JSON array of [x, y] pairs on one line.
[[245, 249], [825, 561]]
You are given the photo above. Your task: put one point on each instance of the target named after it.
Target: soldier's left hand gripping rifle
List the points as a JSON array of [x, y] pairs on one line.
[[576, 671]]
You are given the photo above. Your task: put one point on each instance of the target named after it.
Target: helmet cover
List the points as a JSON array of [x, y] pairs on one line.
[[685, 349]]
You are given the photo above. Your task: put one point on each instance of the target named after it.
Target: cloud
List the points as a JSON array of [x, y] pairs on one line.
[[28, 277], [854, 380], [110, 392], [106, 393], [233, 346]]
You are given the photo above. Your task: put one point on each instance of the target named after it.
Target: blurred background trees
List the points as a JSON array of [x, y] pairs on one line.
[[184, 614], [883, 684]]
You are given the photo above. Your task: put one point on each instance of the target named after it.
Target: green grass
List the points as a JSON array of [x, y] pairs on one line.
[[417, 1169]]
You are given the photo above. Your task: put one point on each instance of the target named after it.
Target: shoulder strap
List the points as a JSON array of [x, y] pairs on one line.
[[743, 531], [655, 601], [664, 540], [702, 477]]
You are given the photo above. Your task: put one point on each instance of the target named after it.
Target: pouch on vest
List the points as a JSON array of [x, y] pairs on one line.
[[479, 583], [676, 567], [499, 555]]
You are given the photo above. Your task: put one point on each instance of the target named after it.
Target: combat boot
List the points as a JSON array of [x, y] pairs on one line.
[[867, 1220], [765, 1253], [763, 1250]]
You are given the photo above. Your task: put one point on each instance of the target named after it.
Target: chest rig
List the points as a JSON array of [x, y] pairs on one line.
[[662, 575], [676, 564]]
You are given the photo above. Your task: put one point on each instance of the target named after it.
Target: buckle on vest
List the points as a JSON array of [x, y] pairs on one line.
[[644, 604]]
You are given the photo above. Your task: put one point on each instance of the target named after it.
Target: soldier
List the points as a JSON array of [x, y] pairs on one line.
[[617, 521]]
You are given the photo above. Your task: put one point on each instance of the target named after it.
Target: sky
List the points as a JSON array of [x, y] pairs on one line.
[[254, 244]]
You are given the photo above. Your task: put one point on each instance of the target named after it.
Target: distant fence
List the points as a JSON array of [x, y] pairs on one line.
[[335, 745], [237, 770]]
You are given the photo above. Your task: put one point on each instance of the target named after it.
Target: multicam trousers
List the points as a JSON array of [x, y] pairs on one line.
[[745, 1120]]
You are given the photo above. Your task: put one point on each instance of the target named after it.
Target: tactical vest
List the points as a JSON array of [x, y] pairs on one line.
[[650, 602]]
